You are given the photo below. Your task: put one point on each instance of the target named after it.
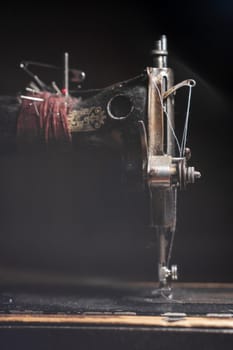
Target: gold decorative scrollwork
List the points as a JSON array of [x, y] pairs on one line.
[[86, 119]]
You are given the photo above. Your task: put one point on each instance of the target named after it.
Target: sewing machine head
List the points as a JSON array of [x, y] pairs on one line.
[[136, 117]]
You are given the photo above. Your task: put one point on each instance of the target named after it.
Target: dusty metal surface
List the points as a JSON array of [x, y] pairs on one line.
[[125, 316], [127, 301]]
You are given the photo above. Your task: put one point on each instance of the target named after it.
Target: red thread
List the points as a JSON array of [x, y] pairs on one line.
[[45, 121]]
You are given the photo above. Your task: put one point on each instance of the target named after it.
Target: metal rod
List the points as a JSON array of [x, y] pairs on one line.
[[66, 73], [164, 50], [31, 98], [162, 245], [56, 88], [159, 53], [155, 114]]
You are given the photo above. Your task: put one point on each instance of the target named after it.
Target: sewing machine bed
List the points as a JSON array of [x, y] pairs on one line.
[[129, 300], [130, 316]]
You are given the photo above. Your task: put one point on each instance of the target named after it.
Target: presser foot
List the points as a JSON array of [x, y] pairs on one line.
[[163, 292], [166, 275]]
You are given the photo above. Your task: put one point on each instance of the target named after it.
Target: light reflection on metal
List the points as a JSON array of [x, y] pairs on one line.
[[66, 74], [165, 172]]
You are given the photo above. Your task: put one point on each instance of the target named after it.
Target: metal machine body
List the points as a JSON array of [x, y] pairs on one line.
[[165, 171]]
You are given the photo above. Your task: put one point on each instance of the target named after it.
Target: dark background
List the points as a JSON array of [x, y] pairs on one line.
[[96, 230]]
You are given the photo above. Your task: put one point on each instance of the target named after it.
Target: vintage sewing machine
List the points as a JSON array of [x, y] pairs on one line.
[[142, 110], [136, 117]]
